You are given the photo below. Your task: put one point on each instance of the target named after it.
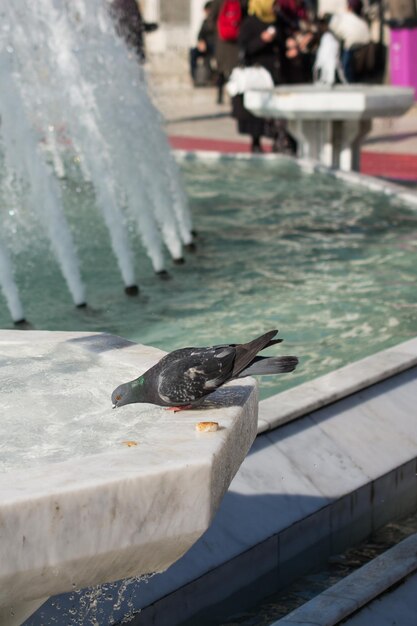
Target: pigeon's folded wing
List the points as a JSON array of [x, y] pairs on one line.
[[186, 380]]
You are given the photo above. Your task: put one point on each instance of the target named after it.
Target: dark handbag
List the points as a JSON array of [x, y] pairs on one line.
[[369, 61]]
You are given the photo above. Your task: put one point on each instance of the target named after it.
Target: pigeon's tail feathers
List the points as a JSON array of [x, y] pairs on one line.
[[267, 339], [246, 352], [272, 343], [234, 345], [270, 365]]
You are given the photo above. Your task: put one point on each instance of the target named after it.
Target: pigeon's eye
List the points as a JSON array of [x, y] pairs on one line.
[[118, 397]]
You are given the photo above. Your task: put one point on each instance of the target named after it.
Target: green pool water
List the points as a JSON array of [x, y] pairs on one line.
[[332, 266]]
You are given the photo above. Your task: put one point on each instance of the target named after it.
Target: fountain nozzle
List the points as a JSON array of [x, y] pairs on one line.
[[163, 275], [131, 290], [21, 322]]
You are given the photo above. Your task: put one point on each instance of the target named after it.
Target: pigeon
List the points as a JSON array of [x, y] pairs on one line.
[[182, 378]]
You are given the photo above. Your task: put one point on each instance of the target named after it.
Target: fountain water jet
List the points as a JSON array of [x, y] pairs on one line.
[[9, 287], [148, 183], [56, 60], [84, 99], [21, 151]]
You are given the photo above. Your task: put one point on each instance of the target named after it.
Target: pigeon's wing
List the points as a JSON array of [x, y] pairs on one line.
[[195, 374]]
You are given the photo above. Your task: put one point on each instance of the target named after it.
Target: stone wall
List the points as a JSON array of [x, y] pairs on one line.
[[175, 11], [174, 15]]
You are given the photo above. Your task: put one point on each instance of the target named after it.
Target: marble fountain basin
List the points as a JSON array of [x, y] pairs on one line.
[[334, 102], [89, 494], [330, 122]]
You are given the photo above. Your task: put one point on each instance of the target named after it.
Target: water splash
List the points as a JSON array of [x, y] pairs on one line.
[[129, 116], [22, 154], [86, 110], [9, 287], [71, 103], [109, 603]]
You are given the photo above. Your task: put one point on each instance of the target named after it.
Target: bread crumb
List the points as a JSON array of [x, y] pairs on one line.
[[130, 444], [207, 427]]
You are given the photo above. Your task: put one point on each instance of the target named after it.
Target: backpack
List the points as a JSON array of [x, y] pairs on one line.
[[229, 20]]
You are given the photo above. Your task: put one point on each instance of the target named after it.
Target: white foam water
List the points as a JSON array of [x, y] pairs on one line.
[[8, 286], [81, 98]]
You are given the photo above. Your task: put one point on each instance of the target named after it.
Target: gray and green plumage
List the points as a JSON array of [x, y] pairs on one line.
[[183, 377]]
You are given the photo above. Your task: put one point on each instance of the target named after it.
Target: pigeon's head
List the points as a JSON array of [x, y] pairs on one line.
[[128, 393]]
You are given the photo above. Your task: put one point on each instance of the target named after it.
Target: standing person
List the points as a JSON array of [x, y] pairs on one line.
[[327, 66], [299, 39], [261, 43], [353, 31], [205, 44], [226, 17]]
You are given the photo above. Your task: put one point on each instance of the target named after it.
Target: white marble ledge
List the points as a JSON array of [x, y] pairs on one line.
[[318, 102], [312, 395], [78, 506], [409, 196], [215, 155]]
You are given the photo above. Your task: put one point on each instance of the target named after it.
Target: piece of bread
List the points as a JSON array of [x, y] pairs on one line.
[[207, 427]]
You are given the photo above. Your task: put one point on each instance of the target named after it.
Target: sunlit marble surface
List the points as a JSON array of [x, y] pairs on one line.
[[337, 102], [330, 122], [78, 506], [305, 491]]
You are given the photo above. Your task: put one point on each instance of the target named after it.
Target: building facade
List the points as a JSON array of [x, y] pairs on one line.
[[179, 22]]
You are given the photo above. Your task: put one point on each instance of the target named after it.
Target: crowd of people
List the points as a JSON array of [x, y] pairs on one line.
[[285, 38], [271, 42]]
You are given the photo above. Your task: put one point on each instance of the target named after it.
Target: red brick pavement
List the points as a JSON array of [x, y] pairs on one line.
[[389, 165]]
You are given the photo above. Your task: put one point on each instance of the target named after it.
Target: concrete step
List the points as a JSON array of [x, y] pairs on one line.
[[381, 592]]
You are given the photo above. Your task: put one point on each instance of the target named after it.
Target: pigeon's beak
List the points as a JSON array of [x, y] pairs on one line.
[[114, 406]]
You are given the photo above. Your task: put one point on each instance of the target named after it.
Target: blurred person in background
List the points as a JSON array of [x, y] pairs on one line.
[[204, 49], [262, 44], [327, 68], [353, 31], [226, 17], [301, 38], [130, 26]]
